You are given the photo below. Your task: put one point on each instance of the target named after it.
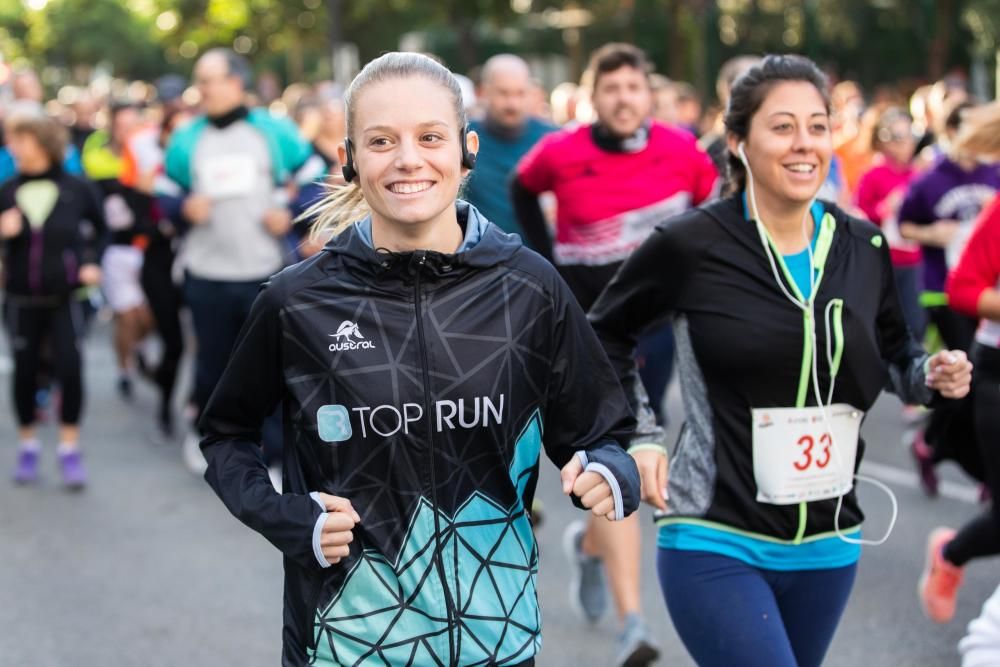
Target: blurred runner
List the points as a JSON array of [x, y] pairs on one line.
[[614, 180], [233, 165], [51, 236]]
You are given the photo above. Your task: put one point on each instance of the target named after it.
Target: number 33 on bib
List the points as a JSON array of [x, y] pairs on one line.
[[800, 455]]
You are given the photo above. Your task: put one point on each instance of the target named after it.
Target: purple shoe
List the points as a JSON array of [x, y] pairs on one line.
[[73, 473], [924, 458], [27, 466]]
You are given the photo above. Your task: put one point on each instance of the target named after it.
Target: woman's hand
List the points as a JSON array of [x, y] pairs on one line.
[[11, 223], [340, 521], [590, 487], [197, 209], [653, 470], [89, 275], [277, 221], [949, 372]]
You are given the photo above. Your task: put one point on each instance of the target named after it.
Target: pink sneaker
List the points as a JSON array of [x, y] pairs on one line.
[[923, 456], [938, 587]]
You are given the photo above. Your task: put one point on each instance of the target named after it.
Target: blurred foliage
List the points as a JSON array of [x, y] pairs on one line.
[[871, 40]]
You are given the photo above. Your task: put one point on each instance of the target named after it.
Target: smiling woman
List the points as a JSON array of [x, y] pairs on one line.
[[418, 358], [404, 163], [759, 548]]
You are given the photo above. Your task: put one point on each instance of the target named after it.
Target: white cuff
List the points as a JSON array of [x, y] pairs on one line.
[[318, 533], [616, 491], [605, 472]]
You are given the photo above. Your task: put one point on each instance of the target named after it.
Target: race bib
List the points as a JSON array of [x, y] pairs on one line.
[[227, 176], [799, 457]]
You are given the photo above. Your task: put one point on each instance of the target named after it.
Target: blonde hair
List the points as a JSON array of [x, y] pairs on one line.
[[979, 135], [345, 204]]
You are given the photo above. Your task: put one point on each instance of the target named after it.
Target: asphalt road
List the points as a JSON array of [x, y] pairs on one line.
[[146, 567]]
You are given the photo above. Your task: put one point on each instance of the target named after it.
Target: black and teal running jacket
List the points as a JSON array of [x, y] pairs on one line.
[[421, 387]]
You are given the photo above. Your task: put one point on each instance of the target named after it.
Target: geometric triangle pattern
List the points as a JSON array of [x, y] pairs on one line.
[[395, 613]]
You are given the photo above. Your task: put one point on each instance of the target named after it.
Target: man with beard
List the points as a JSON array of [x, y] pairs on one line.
[[613, 180], [506, 132]]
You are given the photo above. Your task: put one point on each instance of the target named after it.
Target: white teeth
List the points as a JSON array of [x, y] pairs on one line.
[[801, 168], [409, 188]]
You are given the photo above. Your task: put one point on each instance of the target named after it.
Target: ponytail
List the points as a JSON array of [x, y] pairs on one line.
[[341, 206]]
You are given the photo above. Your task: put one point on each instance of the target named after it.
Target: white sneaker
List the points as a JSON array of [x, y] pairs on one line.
[[191, 452], [588, 593]]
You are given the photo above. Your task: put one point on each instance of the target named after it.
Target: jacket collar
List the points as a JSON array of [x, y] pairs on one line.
[[484, 245]]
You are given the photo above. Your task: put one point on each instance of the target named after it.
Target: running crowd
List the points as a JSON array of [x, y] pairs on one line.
[[495, 272]]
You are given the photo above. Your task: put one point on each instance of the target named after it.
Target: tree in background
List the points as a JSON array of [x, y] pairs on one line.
[[872, 41]]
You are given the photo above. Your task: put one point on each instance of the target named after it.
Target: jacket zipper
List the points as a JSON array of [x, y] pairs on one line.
[[36, 252], [425, 371]]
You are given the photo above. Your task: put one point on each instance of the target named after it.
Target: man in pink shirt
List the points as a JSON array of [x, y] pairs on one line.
[[614, 180]]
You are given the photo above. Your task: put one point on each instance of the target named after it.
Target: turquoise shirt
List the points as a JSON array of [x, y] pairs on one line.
[[487, 187]]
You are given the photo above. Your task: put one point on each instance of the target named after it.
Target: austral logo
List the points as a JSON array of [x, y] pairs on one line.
[[349, 338]]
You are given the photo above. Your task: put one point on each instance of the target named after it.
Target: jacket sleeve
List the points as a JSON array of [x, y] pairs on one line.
[[250, 389], [706, 183], [905, 357], [979, 267], [914, 209], [530, 217], [643, 294], [867, 199], [586, 413], [95, 239]]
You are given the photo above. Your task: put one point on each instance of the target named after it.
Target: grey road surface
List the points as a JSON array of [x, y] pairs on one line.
[[146, 567]]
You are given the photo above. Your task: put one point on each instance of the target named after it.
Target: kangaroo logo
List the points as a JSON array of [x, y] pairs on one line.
[[349, 338], [346, 330]]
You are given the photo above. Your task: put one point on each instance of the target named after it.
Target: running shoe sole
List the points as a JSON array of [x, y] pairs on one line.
[[641, 656]]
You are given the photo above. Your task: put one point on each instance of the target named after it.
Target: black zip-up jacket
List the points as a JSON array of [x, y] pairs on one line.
[[44, 260], [741, 344], [421, 387]]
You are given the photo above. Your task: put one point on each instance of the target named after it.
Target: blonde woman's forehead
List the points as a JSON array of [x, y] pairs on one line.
[[408, 102], [420, 125]]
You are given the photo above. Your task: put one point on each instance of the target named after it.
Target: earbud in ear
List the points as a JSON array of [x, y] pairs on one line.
[[742, 154], [468, 159], [348, 169]]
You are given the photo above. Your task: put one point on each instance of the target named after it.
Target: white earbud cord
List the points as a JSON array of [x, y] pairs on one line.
[[808, 308]]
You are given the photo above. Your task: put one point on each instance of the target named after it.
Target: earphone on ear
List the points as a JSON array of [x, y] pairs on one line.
[[741, 151], [348, 169], [351, 172], [468, 159]]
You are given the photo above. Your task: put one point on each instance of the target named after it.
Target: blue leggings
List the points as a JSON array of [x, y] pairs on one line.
[[730, 614]]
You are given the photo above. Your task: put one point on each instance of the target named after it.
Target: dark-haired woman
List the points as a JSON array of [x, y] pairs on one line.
[[788, 327]]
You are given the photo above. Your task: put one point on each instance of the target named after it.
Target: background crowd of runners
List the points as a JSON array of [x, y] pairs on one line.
[[138, 208]]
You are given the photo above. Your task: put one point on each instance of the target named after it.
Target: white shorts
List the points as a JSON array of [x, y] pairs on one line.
[[121, 267]]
